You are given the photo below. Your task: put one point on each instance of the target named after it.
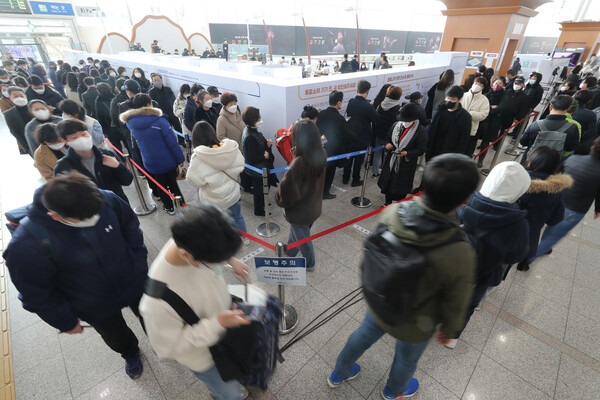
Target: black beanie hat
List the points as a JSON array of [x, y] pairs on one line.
[[409, 112]]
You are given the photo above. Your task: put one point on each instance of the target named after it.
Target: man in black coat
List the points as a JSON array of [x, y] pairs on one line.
[[362, 117], [587, 120], [591, 83], [38, 91], [17, 117], [335, 129], [345, 67], [450, 130], [514, 106], [354, 63], [89, 97], [511, 75], [165, 98], [534, 90], [98, 164]]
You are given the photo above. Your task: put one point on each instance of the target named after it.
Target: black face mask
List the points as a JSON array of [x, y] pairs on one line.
[[450, 104]]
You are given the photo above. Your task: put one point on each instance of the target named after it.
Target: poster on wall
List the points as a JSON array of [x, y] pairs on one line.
[[374, 41], [423, 42], [326, 41], [474, 62], [538, 45]]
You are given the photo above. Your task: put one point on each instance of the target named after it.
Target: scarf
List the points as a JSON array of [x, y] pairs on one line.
[[388, 103], [402, 135]]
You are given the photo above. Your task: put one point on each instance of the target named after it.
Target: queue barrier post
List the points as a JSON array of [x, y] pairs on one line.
[[178, 204], [514, 151], [289, 318], [188, 146], [486, 171], [268, 229], [144, 208], [362, 201]]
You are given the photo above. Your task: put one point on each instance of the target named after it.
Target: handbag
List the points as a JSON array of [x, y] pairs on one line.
[[232, 355]]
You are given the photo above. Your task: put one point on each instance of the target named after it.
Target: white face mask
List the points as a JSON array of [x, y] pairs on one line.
[[516, 88], [563, 88], [57, 146], [65, 116], [259, 123], [138, 75], [232, 109], [5, 93], [532, 81], [97, 65], [476, 88], [4, 80], [20, 102], [216, 100], [113, 74], [84, 223], [83, 143], [39, 91], [582, 85], [208, 104], [42, 114]]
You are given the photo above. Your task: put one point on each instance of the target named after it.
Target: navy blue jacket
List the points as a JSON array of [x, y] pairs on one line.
[[362, 116], [587, 119], [544, 204], [92, 273], [503, 235], [189, 113], [157, 142]]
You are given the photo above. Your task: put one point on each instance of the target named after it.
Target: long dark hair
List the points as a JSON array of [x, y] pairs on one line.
[[381, 95], [543, 159], [185, 88], [72, 81], [308, 148], [446, 80], [204, 134]]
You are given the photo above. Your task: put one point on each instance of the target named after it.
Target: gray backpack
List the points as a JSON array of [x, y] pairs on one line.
[[553, 139]]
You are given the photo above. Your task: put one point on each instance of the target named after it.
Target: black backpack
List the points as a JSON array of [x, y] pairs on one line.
[[391, 271]]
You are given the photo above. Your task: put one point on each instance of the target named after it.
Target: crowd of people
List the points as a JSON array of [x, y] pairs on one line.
[[65, 117]]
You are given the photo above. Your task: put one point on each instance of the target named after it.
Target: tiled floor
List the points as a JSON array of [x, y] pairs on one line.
[[536, 337]]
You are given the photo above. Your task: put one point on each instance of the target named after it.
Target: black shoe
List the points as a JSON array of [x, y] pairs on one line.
[[345, 181], [479, 164], [523, 266], [548, 252], [328, 196], [248, 190], [375, 175], [356, 183]]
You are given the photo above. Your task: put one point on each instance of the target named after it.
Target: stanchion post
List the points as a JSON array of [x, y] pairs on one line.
[[178, 204], [144, 208], [486, 171], [289, 318], [268, 229], [514, 151], [188, 146], [362, 202]]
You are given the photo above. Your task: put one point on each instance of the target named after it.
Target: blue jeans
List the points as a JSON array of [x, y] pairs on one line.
[[377, 156], [218, 388], [553, 234], [405, 360], [299, 232], [236, 213]]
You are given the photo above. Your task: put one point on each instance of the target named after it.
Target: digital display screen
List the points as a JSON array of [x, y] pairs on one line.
[[326, 41], [538, 45], [232, 33], [374, 41], [14, 7], [573, 57], [19, 51], [423, 42]]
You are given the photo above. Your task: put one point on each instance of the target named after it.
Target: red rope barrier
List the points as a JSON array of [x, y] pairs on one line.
[[259, 241], [345, 224], [504, 134]]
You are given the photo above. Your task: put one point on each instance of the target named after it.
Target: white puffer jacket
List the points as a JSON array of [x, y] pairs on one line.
[[478, 106], [206, 173]]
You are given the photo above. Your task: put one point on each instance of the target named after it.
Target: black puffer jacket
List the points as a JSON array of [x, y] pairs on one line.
[[387, 118]]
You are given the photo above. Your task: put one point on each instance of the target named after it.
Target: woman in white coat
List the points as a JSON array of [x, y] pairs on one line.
[[214, 170], [478, 106]]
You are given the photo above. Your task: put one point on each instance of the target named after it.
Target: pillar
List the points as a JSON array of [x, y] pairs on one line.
[[581, 34], [490, 26]]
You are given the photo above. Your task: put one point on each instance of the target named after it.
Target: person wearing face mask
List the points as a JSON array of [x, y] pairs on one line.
[[165, 98], [478, 106], [5, 103], [230, 124], [215, 96], [41, 114], [81, 257], [9, 67], [388, 111], [450, 129], [494, 121], [110, 76], [140, 77], [161, 154], [569, 88], [17, 117], [50, 150], [179, 106], [39, 91], [206, 110], [72, 110], [405, 143], [4, 77], [515, 105], [191, 106], [335, 128], [89, 97], [85, 67], [258, 152], [23, 69], [533, 90], [98, 164]]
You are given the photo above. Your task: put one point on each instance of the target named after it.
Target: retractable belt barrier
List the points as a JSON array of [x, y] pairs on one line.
[[533, 114]]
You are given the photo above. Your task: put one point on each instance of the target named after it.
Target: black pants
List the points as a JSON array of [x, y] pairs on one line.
[[169, 181], [472, 144], [259, 197], [246, 181], [353, 165], [329, 175], [117, 335]]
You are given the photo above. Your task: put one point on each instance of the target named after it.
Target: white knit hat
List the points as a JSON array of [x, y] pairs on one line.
[[506, 182]]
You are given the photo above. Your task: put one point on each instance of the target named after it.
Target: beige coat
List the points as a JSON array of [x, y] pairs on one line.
[[230, 127], [478, 106], [45, 161]]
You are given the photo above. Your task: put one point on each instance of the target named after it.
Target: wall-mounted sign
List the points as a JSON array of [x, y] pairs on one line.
[[474, 62], [477, 54], [51, 8], [492, 56], [14, 7], [86, 11]]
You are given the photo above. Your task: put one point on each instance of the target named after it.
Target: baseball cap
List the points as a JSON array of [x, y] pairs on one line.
[[414, 96], [131, 85], [213, 90], [51, 63]]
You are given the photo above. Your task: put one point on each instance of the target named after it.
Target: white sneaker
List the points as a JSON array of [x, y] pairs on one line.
[[245, 240], [478, 308], [452, 343]]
